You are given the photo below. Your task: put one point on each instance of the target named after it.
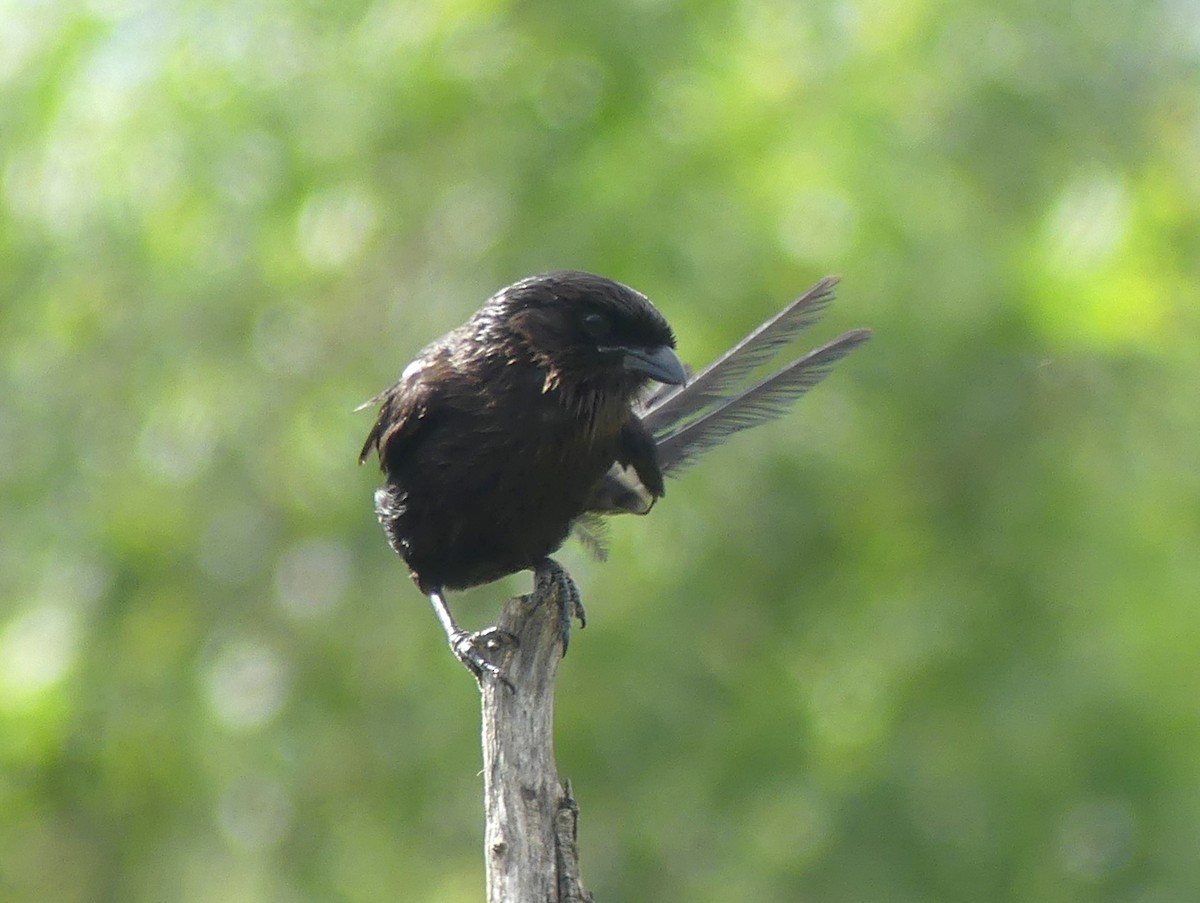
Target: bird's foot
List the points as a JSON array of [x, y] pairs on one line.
[[477, 650], [552, 576]]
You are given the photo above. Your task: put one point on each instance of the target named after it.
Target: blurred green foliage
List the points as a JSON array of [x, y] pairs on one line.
[[936, 636]]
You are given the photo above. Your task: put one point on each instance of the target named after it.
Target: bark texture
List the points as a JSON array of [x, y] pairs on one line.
[[532, 819]]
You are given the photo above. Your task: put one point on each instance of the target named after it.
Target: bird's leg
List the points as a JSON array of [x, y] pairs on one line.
[[550, 573], [470, 648]]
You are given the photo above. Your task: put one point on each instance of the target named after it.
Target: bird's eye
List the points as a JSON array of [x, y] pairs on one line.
[[595, 325]]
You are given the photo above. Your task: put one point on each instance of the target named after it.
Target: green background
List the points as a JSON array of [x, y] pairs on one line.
[[934, 637]]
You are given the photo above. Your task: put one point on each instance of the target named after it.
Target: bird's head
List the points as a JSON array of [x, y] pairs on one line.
[[585, 330]]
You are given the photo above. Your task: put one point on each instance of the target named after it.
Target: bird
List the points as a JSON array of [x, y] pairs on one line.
[[560, 401]]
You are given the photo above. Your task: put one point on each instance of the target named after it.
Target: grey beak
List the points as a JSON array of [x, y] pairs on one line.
[[660, 363]]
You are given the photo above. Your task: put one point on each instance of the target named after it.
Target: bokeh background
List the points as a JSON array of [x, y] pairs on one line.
[[934, 637]]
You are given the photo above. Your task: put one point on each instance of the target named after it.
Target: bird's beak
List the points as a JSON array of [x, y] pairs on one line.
[[660, 363]]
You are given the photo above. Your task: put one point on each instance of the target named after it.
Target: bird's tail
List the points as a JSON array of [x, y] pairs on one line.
[[726, 398]]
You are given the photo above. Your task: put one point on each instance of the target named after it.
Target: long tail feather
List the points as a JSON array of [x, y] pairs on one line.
[[722, 376], [758, 404]]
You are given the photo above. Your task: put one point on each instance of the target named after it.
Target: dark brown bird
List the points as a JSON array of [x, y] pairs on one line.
[[534, 416]]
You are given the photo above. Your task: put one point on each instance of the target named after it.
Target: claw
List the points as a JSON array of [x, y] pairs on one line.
[[472, 648], [552, 574]]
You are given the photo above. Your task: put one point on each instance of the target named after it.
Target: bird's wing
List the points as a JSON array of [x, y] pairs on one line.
[[402, 409], [634, 481]]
